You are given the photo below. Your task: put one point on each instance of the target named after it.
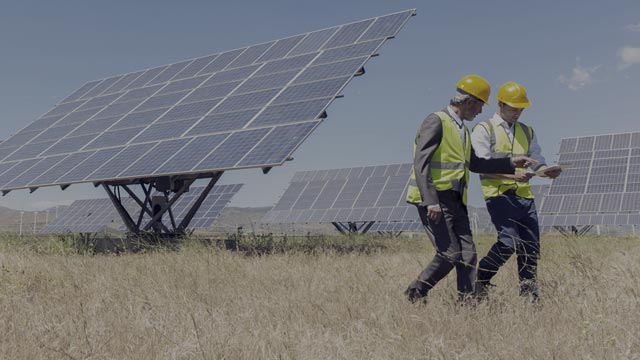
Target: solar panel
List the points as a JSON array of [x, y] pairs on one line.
[[248, 107], [97, 215], [363, 194], [602, 187], [84, 216]]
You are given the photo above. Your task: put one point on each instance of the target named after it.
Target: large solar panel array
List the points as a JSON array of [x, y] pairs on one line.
[[372, 193], [97, 215], [602, 187], [248, 107]]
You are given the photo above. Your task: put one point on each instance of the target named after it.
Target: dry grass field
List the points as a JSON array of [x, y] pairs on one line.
[[202, 302]]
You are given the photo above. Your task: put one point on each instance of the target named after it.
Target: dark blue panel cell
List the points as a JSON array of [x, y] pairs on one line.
[[162, 101], [290, 196], [231, 75], [115, 165], [71, 161], [223, 122], [137, 94], [69, 145], [188, 111], [78, 117], [349, 193], [53, 133], [309, 195], [331, 70], [181, 85], [348, 34], [89, 165], [94, 126], [286, 64], [370, 192], [292, 112], [113, 138], [100, 88], [329, 193], [123, 82], [393, 190], [313, 41], [64, 109], [210, 92], [6, 166], [280, 49], [193, 68], [154, 158], [169, 72], [163, 131], [99, 102], [232, 150], [221, 61], [35, 171], [29, 151], [41, 123], [139, 118], [19, 139], [190, 155], [348, 52], [250, 55], [78, 93], [278, 80], [146, 77], [117, 109], [386, 26], [246, 101], [16, 171], [313, 90], [276, 147]]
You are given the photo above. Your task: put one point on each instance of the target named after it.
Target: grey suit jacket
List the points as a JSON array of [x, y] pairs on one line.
[[428, 140]]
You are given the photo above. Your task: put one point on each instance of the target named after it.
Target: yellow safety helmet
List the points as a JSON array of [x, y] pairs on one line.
[[476, 86], [514, 95]]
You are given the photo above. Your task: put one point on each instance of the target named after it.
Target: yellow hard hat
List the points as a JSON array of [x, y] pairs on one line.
[[514, 95], [475, 85]]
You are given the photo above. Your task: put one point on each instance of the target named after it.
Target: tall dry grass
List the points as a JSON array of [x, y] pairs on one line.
[[206, 303]]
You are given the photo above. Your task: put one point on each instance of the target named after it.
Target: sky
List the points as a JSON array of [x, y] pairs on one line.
[[579, 61]]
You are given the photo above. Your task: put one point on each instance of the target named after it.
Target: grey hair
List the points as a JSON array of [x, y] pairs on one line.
[[458, 98]]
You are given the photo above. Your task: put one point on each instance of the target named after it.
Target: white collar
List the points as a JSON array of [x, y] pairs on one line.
[[498, 120], [454, 116]]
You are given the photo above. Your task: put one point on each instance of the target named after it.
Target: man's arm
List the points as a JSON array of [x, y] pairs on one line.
[[490, 166], [428, 140]]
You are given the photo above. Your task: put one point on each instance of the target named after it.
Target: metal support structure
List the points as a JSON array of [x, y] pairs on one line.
[[353, 227], [164, 186], [573, 230]]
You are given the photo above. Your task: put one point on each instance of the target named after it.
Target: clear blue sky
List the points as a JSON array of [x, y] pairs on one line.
[[580, 62]]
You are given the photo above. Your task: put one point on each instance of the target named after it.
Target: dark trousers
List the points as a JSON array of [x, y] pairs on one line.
[[516, 221], [454, 246]]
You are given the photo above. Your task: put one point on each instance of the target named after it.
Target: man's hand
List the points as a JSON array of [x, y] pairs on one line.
[[434, 212], [522, 161], [553, 173], [523, 176]]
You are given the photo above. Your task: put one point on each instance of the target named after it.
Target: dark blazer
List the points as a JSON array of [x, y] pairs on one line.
[[428, 140]]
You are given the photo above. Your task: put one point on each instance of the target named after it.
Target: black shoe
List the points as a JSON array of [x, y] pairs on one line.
[[414, 296], [482, 289], [530, 288]]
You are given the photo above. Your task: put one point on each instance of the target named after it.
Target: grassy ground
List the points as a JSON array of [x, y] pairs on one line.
[[322, 302]]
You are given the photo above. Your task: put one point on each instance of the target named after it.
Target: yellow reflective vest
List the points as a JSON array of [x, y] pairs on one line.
[[449, 165], [502, 147]]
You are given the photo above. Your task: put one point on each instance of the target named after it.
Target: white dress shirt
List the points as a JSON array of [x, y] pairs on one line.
[[482, 142]]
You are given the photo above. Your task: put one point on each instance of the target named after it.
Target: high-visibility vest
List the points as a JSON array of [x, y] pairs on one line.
[[502, 147], [449, 166]]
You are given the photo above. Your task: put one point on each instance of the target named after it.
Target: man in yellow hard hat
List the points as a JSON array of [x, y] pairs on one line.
[[508, 197], [443, 157]]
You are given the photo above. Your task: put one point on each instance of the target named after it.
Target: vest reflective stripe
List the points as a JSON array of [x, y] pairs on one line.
[[502, 147], [449, 166]]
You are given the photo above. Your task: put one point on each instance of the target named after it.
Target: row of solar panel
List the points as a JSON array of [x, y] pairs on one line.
[[588, 203], [406, 213], [397, 226], [601, 142], [582, 220], [97, 215], [340, 174]]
